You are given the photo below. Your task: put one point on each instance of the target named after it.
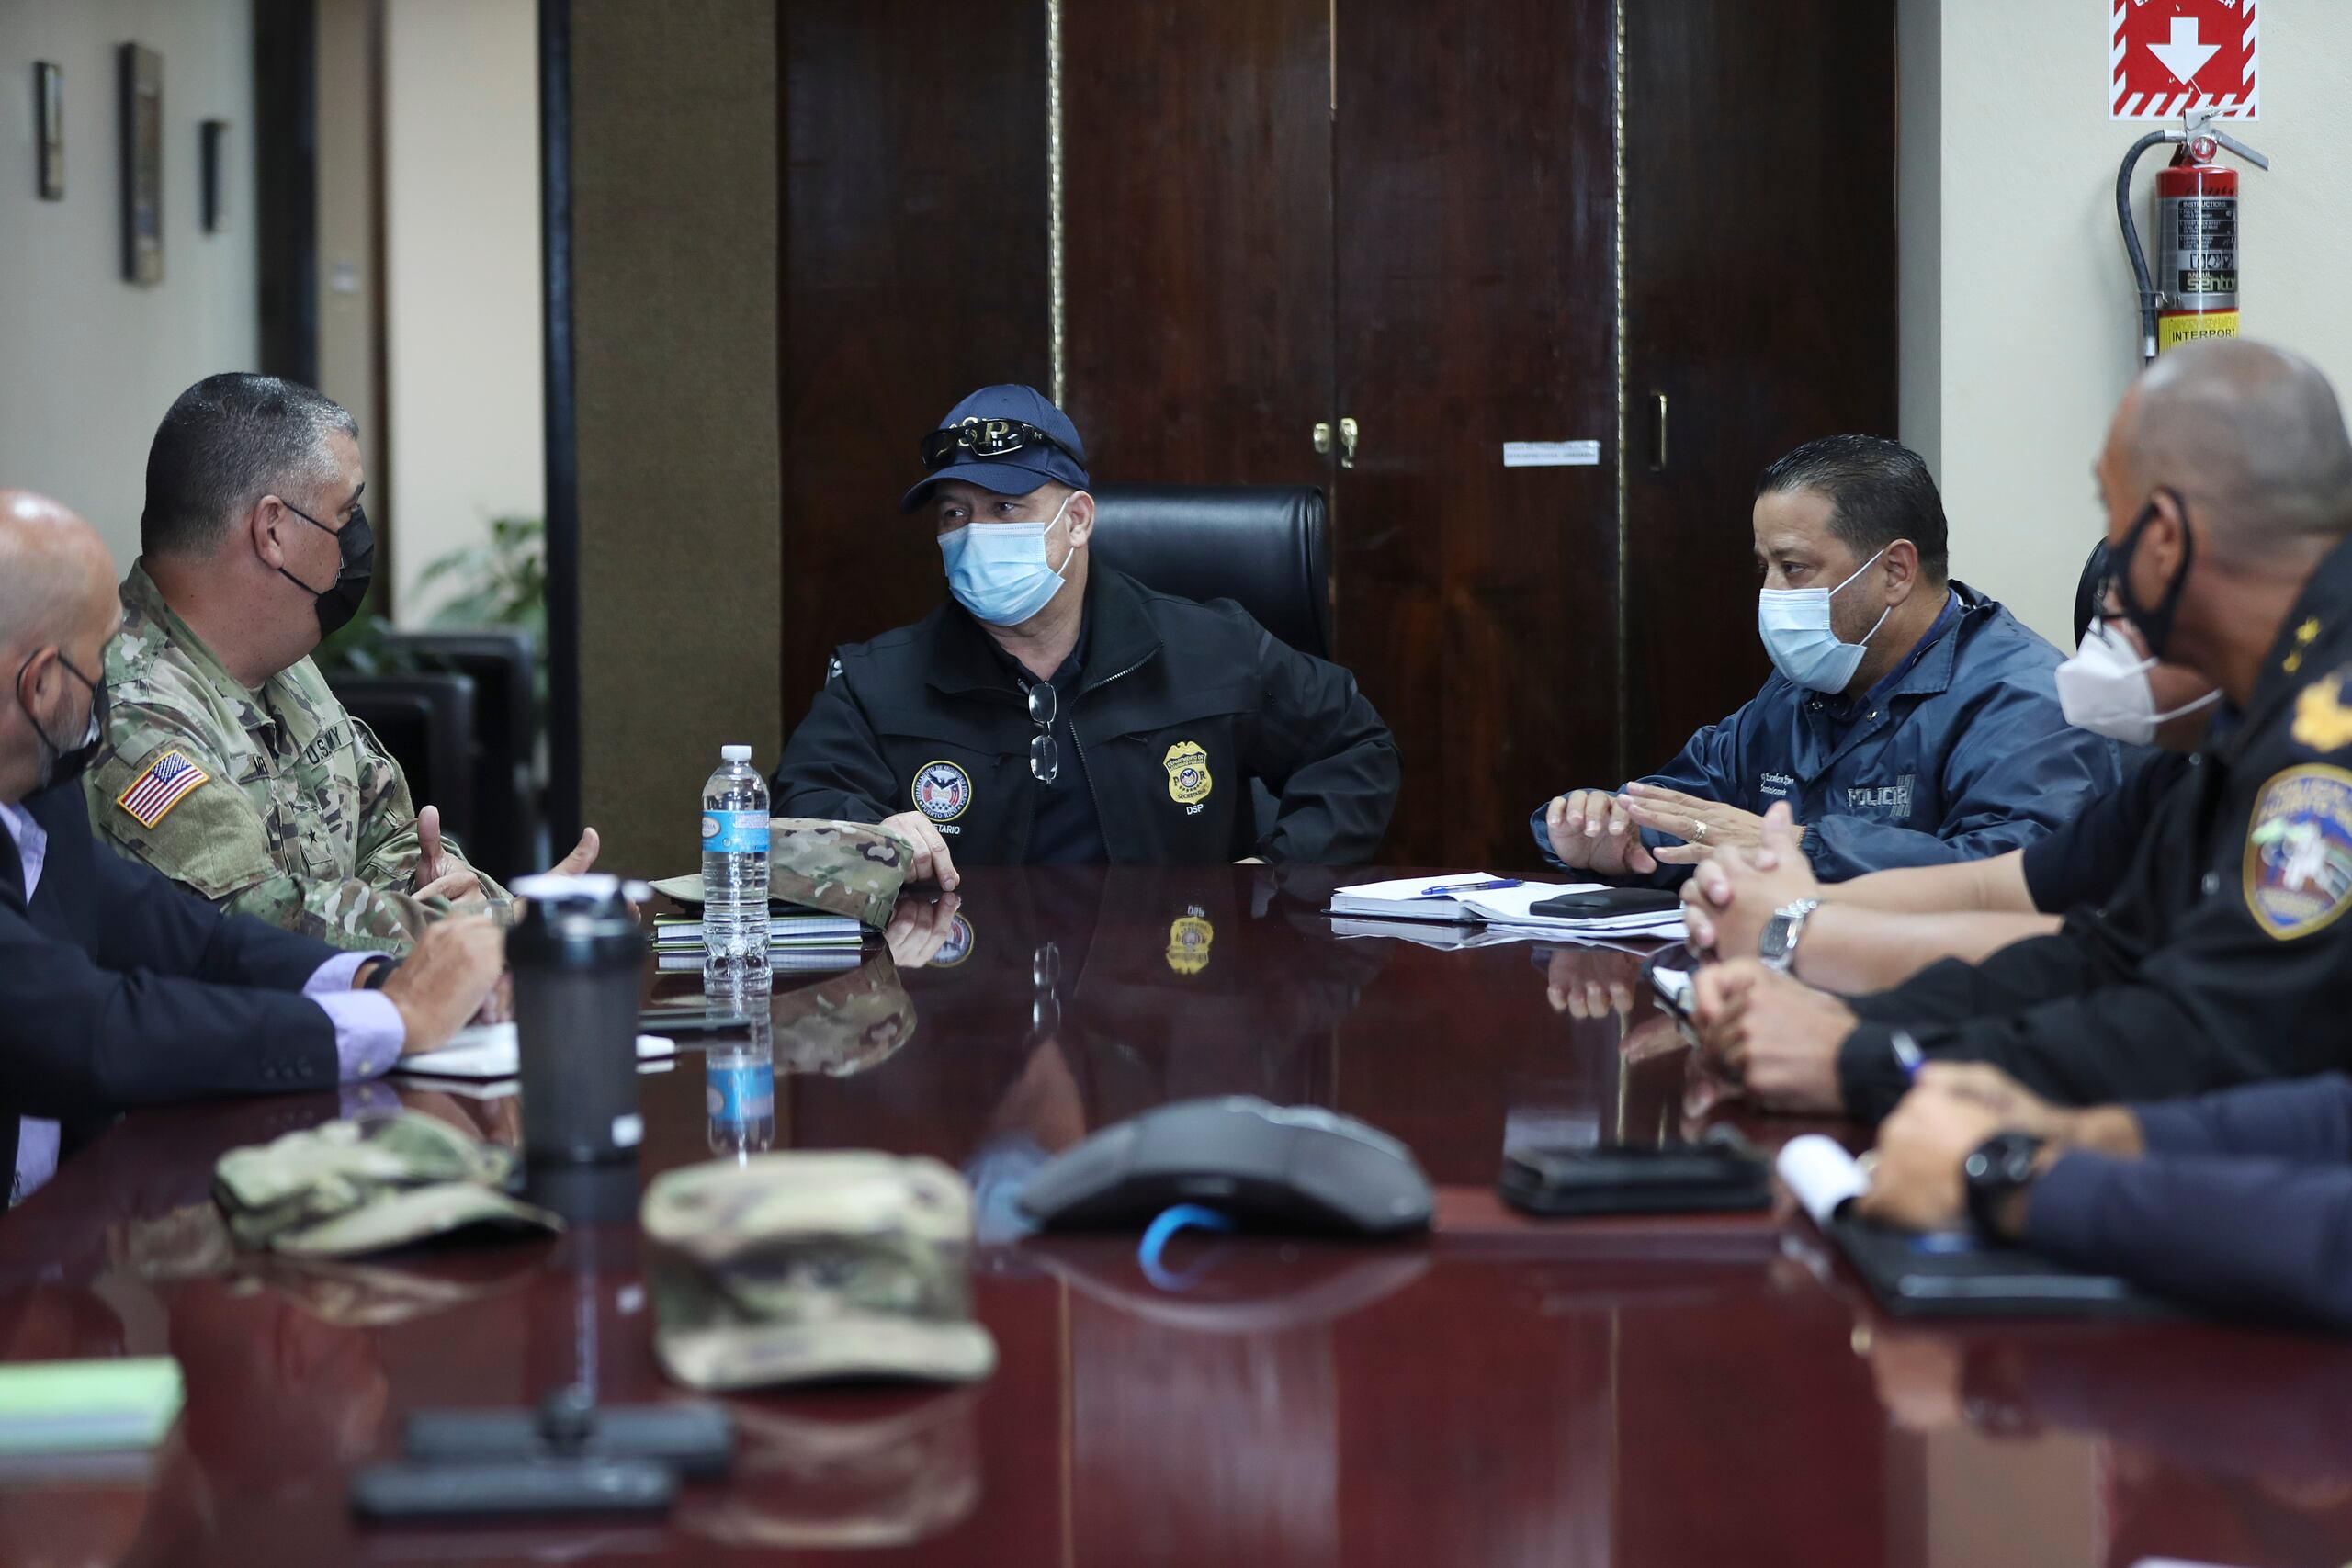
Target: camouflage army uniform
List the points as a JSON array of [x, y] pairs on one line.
[[279, 804]]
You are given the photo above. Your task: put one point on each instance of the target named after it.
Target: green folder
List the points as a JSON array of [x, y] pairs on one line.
[[80, 1406]]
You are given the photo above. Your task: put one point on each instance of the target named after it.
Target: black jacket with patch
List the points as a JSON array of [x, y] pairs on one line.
[[1180, 707], [2223, 956]]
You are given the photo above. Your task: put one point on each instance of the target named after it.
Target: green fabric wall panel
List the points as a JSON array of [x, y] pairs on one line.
[[674, 233]]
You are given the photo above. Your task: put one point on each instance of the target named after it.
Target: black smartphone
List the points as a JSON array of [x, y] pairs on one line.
[[1600, 902], [1626, 1178]]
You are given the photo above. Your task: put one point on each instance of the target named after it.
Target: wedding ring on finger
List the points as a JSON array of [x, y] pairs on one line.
[[1698, 830]]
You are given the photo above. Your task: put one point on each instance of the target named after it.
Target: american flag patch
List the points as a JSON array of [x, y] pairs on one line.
[[166, 783]]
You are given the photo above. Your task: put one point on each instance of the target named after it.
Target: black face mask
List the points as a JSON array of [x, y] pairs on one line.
[[2154, 624], [356, 542], [62, 765]]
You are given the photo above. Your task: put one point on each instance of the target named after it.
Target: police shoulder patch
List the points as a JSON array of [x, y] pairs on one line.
[[2299, 852], [161, 784], [2321, 721], [940, 790]]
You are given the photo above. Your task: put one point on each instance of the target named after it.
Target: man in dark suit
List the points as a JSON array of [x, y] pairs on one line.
[[117, 989]]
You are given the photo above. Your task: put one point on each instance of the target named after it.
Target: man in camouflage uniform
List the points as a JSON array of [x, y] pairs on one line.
[[230, 766]]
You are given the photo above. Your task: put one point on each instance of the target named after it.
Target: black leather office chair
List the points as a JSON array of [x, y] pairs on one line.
[[426, 722], [505, 739], [2087, 590], [1267, 547]]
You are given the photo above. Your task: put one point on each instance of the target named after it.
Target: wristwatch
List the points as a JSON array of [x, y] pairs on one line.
[[1778, 945], [2001, 1167]]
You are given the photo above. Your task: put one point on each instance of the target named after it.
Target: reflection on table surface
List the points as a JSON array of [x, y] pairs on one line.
[[1627, 1390]]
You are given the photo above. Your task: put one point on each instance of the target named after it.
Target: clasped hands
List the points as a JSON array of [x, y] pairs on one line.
[[1591, 829], [1764, 1031]]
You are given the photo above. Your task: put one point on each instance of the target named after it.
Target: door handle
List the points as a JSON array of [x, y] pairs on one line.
[[1322, 438], [1658, 435], [1349, 432]]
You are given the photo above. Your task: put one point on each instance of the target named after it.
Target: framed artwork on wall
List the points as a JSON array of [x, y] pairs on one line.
[[141, 85], [48, 130]]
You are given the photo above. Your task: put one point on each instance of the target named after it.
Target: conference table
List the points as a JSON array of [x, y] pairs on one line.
[[1702, 1390]]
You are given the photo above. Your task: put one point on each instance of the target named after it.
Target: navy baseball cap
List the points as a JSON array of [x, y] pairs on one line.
[[990, 440]]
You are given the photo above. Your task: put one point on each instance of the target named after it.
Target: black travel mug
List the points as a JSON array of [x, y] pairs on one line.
[[578, 958]]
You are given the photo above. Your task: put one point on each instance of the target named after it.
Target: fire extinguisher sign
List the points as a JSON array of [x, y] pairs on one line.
[[2166, 57]]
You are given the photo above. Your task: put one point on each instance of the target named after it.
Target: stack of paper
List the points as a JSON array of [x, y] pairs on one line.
[[495, 1051], [1507, 908], [1498, 905], [796, 943], [1438, 898]]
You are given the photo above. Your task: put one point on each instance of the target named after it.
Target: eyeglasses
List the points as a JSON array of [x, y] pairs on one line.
[[987, 439], [1044, 757]]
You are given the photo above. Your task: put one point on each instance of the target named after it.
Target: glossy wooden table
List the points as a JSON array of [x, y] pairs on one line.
[[1639, 1393]]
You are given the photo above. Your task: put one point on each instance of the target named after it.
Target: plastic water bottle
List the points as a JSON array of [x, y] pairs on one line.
[[735, 859]]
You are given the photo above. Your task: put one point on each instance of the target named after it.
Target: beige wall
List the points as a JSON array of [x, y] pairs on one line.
[[89, 363], [2018, 316], [461, 175]]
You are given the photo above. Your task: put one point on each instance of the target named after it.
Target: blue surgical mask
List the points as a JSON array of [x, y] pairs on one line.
[[1794, 625], [1001, 572]]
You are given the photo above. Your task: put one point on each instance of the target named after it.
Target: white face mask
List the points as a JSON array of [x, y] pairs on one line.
[[1001, 572], [1794, 625], [2105, 689]]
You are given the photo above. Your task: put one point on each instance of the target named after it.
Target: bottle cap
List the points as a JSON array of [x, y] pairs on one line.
[[735, 753]]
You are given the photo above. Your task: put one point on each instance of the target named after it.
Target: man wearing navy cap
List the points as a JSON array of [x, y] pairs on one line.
[[1048, 714]]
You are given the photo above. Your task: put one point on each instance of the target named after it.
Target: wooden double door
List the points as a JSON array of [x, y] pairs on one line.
[[1373, 245]]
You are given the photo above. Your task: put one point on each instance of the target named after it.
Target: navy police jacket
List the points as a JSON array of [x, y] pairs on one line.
[[1180, 707], [1965, 755]]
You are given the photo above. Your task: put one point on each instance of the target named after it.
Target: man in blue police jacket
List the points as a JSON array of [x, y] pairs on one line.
[[1909, 720]]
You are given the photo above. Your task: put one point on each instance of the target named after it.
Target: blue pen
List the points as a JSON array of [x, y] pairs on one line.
[[1908, 1054], [1446, 889]]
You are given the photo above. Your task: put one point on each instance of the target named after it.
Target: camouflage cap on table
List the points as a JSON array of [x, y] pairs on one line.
[[838, 868], [349, 1188], [846, 1024], [808, 1267]]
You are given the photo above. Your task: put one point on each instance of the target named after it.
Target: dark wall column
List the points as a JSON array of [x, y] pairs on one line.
[[674, 374]]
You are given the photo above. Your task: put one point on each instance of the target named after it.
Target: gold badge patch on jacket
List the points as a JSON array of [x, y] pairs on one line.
[[2299, 852], [2321, 721], [1187, 775]]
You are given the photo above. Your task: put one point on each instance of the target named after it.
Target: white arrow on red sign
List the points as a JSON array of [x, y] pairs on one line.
[[2184, 55]]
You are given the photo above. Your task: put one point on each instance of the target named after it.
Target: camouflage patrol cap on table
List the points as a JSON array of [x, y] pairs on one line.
[[839, 868], [844, 1024], [349, 1188], [801, 1267]]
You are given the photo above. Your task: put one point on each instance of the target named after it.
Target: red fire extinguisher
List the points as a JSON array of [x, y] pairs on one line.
[[2194, 293]]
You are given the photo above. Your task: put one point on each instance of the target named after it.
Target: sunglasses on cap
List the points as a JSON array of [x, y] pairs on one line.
[[986, 439]]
